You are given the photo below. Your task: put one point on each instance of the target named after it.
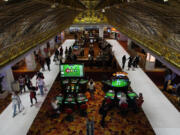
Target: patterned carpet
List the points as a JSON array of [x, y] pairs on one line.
[[44, 124], [4, 103]]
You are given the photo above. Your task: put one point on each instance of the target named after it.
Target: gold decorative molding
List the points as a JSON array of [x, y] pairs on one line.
[[169, 54], [90, 17], [12, 52]]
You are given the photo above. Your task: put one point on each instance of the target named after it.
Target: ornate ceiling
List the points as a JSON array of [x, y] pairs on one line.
[[154, 25], [90, 4], [90, 17]]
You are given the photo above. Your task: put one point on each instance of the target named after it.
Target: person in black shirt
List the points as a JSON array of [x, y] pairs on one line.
[[130, 62], [123, 61], [104, 110], [61, 51], [32, 90], [70, 50], [48, 62], [66, 51]]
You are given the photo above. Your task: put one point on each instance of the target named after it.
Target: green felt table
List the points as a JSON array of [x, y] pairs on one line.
[[120, 83], [110, 95], [119, 95], [82, 99], [70, 100], [60, 99], [132, 95], [65, 81], [82, 81], [74, 81], [108, 82]]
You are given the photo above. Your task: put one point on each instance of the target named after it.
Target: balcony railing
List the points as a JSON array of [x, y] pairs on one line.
[[169, 54], [12, 52]]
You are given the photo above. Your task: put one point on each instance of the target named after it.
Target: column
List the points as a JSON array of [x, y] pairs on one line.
[[52, 44], [123, 37], [62, 36], [8, 78], [129, 44], [150, 62], [101, 32], [30, 62]]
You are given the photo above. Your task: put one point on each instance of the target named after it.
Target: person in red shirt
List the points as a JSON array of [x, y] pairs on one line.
[[32, 94], [139, 100]]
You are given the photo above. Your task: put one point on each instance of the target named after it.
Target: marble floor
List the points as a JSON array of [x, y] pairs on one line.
[[162, 115], [20, 124]]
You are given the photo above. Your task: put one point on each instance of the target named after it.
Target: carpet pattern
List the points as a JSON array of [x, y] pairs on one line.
[[44, 124]]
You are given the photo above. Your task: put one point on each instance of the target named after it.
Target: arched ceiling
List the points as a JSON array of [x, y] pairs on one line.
[[154, 25]]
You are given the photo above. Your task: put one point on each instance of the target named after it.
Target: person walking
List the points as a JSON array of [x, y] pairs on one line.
[[137, 59], [130, 62], [40, 84], [56, 55], [21, 81], [16, 102], [70, 50], [27, 81], [66, 52], [104, 110], [133, 63], [48, 62], [166, 81], [61, 51], [32, 94], [41, 62], [123, 61]]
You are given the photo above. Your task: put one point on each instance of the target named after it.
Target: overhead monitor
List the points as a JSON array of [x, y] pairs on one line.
[[72, 70]]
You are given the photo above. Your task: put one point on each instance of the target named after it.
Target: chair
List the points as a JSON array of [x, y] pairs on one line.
[[124, 108], [69, 116], [83, 108]]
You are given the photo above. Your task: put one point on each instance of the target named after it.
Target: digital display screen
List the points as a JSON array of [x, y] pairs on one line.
[[72, 70]]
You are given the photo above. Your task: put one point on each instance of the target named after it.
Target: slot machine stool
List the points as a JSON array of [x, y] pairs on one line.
[[83, 109], [69, 116]]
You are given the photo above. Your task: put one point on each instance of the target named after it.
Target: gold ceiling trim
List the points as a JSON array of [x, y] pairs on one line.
[[90, 17], [12, 52], [90, 4], [169, 54]]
